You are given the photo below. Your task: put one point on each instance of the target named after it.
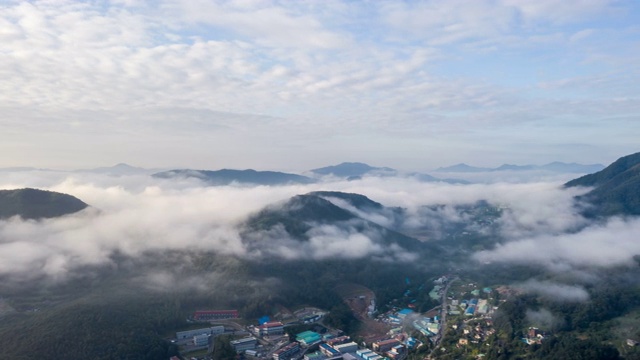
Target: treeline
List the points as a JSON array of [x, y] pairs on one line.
[[314, 282], [99, 329], [579, 331]]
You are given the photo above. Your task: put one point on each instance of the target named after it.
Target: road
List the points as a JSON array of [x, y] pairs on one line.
[[443, 316]]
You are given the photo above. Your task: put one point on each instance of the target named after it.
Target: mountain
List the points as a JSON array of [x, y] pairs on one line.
[[358, 201], [228, 176], [119, 170], [302, 213], [617, 188], [36, 204], [353, 169], [462, 168], [428, 178], [511, 167], [555, 166], [296, 215]]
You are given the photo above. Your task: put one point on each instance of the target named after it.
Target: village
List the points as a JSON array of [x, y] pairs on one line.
[[461, 322]]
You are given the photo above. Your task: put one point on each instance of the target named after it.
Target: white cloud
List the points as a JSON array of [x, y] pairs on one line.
[[555, 291], [542, 318], [601, 245], [130, 73], [133, 215]]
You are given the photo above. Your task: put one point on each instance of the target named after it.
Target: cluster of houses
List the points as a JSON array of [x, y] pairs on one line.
[[470, 307], [344, 348], [475, 332], [311, 345], [427, 326]]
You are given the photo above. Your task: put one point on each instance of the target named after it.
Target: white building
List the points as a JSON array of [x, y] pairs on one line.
[[201, 340], [271, 328], [345, 348], [214, 330], [248, 343]]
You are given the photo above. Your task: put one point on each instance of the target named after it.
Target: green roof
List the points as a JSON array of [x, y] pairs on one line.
[[308, 337]]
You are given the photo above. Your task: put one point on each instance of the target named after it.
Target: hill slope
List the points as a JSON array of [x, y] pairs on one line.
[[35, 204], [617, 188], [302, 213]]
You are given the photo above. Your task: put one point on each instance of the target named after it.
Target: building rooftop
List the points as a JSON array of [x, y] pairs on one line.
[[244, 340], [271, 324]]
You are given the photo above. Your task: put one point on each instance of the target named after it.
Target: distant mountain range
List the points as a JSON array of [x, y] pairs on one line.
[[617, 188], [438, 238], [353, 170], [356, 170], [120, 170], [229, 176], [345, 170], [36, 204], [554, 167], [117, 170]]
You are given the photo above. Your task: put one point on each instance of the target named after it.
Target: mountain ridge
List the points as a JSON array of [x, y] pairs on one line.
[[352, 169], [616, 188], [229, 176], [555, 166], [30, 203]]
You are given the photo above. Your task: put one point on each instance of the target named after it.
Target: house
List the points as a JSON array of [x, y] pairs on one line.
[[271, 328], [201, 340], [347, 347], [384, 345], [398, 352], [286, 352], [189, 334], [308, 338], [404, 312], [328, 351], [248, 343]]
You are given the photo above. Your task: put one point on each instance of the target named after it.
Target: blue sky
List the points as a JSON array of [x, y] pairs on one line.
[[294, 85]]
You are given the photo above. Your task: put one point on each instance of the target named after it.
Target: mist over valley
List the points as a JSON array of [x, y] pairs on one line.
[[182, 243]]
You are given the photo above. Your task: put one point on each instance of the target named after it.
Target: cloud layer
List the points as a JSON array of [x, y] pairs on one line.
[[135, 215], [602, 245]]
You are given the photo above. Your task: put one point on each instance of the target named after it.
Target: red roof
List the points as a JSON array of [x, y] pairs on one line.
[[217, 312], [271, 324]]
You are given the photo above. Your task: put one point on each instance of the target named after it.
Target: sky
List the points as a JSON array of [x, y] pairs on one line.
[[296, 85]]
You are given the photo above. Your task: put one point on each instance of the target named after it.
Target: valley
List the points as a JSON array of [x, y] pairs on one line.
[[436, 280]]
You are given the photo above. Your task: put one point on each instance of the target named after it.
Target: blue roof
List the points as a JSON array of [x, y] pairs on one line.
[[470, 310], [330, 349], [405, 311]]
